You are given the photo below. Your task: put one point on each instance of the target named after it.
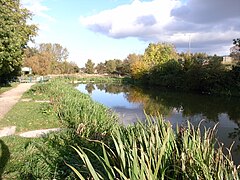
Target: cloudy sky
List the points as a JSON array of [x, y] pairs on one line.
[[106, 29]]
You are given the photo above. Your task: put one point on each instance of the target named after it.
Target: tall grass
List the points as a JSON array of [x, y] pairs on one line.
[[155, 151], [77, 110], [81, 119]]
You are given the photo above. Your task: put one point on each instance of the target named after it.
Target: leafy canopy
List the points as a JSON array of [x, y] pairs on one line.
[[14, 35]]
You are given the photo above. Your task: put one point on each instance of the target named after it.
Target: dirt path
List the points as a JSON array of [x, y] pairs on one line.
[[10, 98]]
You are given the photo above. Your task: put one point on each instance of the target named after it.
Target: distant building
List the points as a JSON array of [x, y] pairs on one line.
[[26, 70], [227, 60]]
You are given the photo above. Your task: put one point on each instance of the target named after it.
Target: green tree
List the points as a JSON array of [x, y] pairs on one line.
[[14, 35], [159, 53], [111, 66], [101, 68], [89, 67]]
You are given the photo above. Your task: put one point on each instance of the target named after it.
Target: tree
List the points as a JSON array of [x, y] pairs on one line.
[[235, 50], [236, 42], [159, 53], [89, 67], [101, 68], [111, 66], [14, 35], [55, 59]]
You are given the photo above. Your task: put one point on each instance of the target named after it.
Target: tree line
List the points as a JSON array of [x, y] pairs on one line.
[[161, 65]]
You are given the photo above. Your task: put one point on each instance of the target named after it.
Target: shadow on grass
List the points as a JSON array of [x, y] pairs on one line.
[[4, 157]]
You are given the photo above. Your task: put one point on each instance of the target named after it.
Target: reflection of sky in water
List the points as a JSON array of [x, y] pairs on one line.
[[129, 113], [114, 101]]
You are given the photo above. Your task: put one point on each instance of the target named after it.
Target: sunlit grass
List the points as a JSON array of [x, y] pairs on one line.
[[7, 87], [28, 116]]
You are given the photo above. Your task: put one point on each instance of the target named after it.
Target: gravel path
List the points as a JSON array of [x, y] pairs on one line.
[[10, 98]]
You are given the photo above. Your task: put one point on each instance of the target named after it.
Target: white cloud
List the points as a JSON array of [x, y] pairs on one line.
[[37, 8], [210, 23], [136, 19]]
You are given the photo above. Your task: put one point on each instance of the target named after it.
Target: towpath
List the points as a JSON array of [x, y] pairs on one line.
[[9, 98]]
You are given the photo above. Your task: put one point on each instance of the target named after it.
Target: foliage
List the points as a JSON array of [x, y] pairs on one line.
[[101, 68], [14, 35], [13, 148], [154, 56], [236, 42], [235, 50], [89, 67], [159, 53], [49, 58], [192, 72], [155, 151]]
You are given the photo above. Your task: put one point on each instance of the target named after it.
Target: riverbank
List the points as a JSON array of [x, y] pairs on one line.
[[86, 123]]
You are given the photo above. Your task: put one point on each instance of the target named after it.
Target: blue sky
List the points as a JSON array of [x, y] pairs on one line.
[[106, 29]]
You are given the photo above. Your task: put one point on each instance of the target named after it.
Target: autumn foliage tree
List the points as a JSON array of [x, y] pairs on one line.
[[49, 58], [155, 54], [15, 32]]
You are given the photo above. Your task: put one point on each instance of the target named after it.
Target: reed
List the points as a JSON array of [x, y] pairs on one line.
[[154, 151]]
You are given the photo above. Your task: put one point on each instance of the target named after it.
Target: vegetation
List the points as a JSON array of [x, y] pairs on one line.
[[162, 66], [93, 128], [155, 151], [235, 50], [49, 58], [42, 117], [15, 32], [189, 72], [80, 118], [7, 87], [89, 67]]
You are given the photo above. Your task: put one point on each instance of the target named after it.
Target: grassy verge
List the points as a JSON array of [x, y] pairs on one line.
[[28, 116], [7, 87], [12, 154]]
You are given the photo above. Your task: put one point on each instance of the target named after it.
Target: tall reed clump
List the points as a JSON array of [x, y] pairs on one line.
[[77, 110], [155, 151]]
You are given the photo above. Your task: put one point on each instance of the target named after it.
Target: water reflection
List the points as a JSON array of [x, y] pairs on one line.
[[130, 103]]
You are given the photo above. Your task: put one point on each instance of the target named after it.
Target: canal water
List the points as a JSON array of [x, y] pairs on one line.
[[131, 103]]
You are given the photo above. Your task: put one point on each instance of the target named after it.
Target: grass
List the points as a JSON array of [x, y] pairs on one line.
[[12, 155], [7, 87], [26, 116], [31, 115]]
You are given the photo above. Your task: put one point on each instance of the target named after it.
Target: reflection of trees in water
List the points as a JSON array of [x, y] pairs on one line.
[[191, 104], [89, 88], [113, 88], [150, 105], [162, 101]]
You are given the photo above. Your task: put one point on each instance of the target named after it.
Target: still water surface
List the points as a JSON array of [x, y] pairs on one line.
[[130, 103]]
